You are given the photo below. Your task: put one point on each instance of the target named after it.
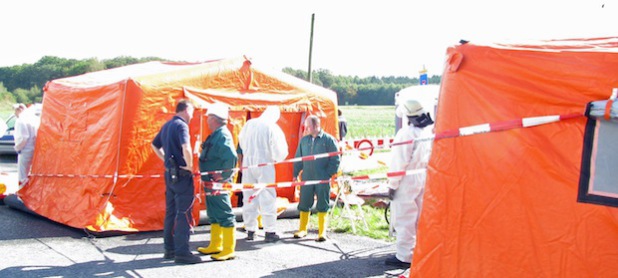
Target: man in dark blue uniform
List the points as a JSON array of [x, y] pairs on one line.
[[173, 146]]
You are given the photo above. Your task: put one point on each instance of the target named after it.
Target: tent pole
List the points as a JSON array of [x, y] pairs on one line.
[[309, 75]]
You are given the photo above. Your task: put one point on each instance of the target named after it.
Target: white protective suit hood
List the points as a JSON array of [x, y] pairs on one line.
[[262, 140], [271, 114]]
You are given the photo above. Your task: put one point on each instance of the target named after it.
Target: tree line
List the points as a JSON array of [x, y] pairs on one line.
[[354, 90], [24, 83]]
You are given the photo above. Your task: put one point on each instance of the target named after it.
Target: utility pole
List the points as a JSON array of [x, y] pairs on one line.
[[309, 74]]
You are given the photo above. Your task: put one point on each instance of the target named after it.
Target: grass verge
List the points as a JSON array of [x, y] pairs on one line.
[[341, 222]]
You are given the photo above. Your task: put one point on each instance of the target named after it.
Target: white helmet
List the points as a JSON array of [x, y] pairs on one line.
[[218, 109], [413, 108]]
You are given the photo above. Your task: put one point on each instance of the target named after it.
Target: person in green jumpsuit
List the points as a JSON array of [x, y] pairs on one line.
[[219, 153], [315, 142]]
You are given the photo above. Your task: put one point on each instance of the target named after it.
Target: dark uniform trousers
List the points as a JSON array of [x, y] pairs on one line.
[[178, 216]]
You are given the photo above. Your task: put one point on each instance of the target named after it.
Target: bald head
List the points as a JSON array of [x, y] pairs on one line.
[[312, 125]]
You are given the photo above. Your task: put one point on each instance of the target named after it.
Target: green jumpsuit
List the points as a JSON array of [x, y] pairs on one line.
[[218, 153], [320, 169]]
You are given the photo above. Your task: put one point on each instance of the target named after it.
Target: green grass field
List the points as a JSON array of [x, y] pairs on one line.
[[363, 121], [369, 121]]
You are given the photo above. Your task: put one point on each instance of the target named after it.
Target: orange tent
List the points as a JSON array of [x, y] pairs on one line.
[[93, 165], [510, 203]]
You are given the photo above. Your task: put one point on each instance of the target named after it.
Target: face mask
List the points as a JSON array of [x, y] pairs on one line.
[[420, 121]]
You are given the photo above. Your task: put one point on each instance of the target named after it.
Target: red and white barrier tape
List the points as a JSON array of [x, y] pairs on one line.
[[460, 132], [240, 186]]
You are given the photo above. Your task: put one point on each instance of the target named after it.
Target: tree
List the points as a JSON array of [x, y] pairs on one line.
[[23, 83], [120, 62], [35, 94], [84, 66], [325, 77], [21, 95], [296, 73], [5, 95]]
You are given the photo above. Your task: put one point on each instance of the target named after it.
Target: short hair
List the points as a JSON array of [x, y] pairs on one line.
[[339, 112], [19, 106], [183, 105], [314, 120]]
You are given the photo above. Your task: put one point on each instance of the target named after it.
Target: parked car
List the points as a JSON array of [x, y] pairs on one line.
[[7, 141]]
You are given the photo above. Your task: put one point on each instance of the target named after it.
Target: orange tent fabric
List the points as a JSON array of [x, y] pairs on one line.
[[504, 204], [93, 165]]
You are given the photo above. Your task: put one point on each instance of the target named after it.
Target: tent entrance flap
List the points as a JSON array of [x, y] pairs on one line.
[[599, 179]]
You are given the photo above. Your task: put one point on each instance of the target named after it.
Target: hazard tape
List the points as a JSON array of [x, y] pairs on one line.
[[460, 132], [389, 174], [224, 188], [494, 127]]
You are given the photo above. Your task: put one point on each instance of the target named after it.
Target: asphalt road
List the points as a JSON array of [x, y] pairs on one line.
[[33, 246]]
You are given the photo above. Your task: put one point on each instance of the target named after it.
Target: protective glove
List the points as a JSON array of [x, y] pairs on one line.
[[391, 193]]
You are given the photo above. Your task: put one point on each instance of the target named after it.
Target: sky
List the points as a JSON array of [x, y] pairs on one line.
[[355, 38]]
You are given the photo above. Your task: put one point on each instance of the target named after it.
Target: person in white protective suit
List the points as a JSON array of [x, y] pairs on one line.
[[261, 140], [406, 192], [26, 128]]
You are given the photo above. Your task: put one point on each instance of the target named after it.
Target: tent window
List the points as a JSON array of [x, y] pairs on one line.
[[599, 176]]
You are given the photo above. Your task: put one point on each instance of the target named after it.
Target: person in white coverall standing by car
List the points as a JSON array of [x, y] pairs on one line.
[[261, 140], [26, 128], [406, 192]]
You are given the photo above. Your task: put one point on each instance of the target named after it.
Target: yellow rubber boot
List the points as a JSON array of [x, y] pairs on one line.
[[216, 245], [259, 220], [229, 245], [321, 227], [304, 220]]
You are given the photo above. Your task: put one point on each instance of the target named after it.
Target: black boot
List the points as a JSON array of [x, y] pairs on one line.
[[250, 235], [271, 237], [169, 255], [187, 259], [393, 261]]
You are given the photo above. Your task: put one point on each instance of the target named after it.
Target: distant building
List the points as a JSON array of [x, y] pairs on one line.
[[422, 80]]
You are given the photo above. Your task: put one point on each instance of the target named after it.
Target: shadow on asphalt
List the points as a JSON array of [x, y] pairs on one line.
[[366, 261], [372, 266], [17, 224], [101, 268]]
